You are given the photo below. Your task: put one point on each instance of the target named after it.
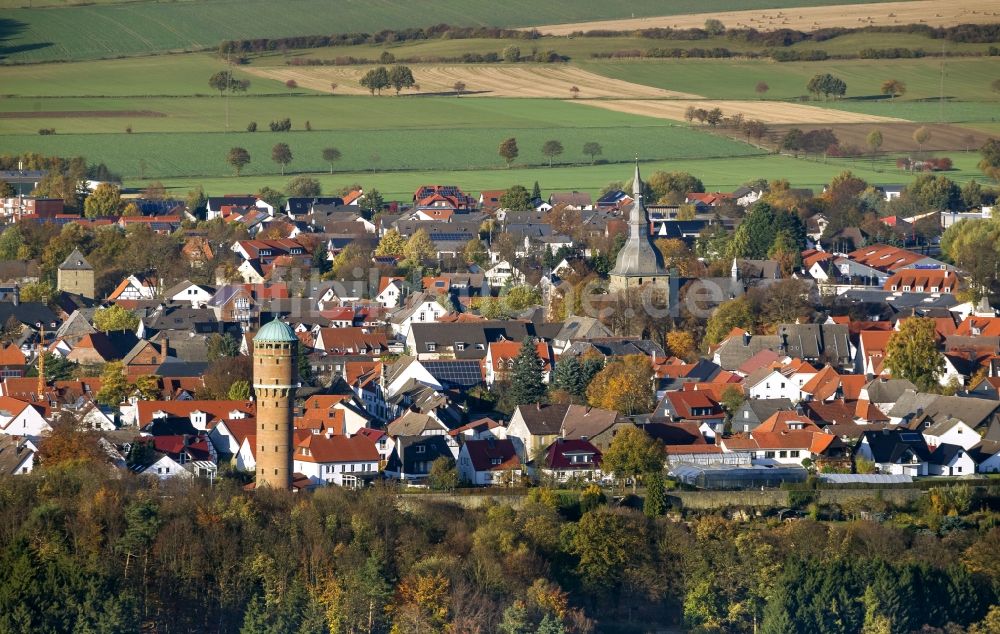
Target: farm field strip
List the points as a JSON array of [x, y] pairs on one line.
[[522, 80], [163, 155], [931, 12], [767, 111], [965, 78], [143, 28], [324, 112], [725, 174]]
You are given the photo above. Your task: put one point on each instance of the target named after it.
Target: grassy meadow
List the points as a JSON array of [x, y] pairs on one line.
[[142, 28], [965, 78], [717, 174]]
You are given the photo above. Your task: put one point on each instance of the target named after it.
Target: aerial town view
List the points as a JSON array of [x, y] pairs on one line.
[[500, 317]]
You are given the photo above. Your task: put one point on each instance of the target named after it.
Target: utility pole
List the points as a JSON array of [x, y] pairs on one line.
[[229, 83], [941, 94]]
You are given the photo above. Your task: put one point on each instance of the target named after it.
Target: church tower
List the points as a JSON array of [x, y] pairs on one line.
[[639, 262], [275, 359], [76, 275]]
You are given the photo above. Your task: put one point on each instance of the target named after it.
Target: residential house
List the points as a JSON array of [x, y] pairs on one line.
[[412, 457], [489, 462], [349, 461], [754, 411], [894, 451], [501, 355], [17, 455], [569, 460]]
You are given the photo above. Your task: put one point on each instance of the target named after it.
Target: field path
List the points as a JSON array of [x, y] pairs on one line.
[[931, 12], [501, 80], [767, 111]]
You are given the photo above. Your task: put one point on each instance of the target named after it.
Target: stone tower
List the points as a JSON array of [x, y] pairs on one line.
[[639, 262], [75, 275], [275, 359]]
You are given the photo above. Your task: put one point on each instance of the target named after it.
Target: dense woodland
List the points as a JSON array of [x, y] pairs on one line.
[[86, 552]]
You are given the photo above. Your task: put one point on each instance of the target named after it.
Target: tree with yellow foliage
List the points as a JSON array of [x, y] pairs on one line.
[[681, 343], [625, 386]]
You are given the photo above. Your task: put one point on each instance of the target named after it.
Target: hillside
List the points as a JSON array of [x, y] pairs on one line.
[[143, 28]]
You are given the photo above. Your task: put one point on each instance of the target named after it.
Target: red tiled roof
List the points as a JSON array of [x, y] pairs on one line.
[[557, 455], [492, 455], [322, 449], [885, 258]]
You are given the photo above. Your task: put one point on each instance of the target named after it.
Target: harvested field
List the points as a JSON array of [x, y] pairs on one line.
[[772, 112], [931, 12], [523, 80], [79, 114], [898, 137]]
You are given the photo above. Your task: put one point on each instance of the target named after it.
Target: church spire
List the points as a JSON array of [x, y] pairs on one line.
[[636, 182]]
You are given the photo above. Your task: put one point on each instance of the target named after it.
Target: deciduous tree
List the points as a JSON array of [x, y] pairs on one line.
[[552, 149], [624, 385], [894, 88], [376, 79], [115, 317], [331, 155], [633, 454], [516, 198], [282, 155], [912, 353], [508, 150], [419, 248], [105, 200], [239, 158], [114, 387], [401, 77], [391, 243], [592, 149]]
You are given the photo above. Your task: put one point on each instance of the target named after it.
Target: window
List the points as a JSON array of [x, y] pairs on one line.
[[420, 448], [459, 346], [782, 454], [495, 461], [768, 454], [795, 454], [431, 346]]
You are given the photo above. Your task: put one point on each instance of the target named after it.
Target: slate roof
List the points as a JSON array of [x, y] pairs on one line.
[[542, 419], [889, 446], [76, 262], [473, 335]]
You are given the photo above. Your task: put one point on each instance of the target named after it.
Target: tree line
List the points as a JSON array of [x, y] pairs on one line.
[[129, 554]]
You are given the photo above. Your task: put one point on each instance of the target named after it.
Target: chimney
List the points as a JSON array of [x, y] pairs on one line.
[[17, 294], [746, 338], [164, 347]]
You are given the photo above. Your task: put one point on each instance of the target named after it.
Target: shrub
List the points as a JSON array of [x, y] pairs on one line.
[[291, 83], [46, 131], [252, 126]]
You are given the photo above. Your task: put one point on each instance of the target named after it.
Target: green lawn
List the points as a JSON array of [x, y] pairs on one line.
[[965, 78], [105, 30], [717, 174], [183, 74]]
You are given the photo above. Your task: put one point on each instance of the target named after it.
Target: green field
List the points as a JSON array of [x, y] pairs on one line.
[[107, 30], [203, 154], [717, 174], [965, 78]]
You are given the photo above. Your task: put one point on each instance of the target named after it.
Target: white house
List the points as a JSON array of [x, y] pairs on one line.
[[951, 431], [489, 462], [17, 456], [420, 311], [503, 273], [134, 287], [349, 461], [246, 457], [195, 294], [18, 418], [164, 469], [391, 292], [950, 460]]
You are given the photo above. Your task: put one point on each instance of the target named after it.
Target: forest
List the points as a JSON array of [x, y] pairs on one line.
[[87, 551]]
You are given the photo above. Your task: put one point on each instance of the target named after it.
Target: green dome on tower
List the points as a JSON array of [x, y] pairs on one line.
[[276, 331]]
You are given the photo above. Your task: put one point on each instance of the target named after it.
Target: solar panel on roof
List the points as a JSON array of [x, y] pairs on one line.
[[910, 437], [457, 373]]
